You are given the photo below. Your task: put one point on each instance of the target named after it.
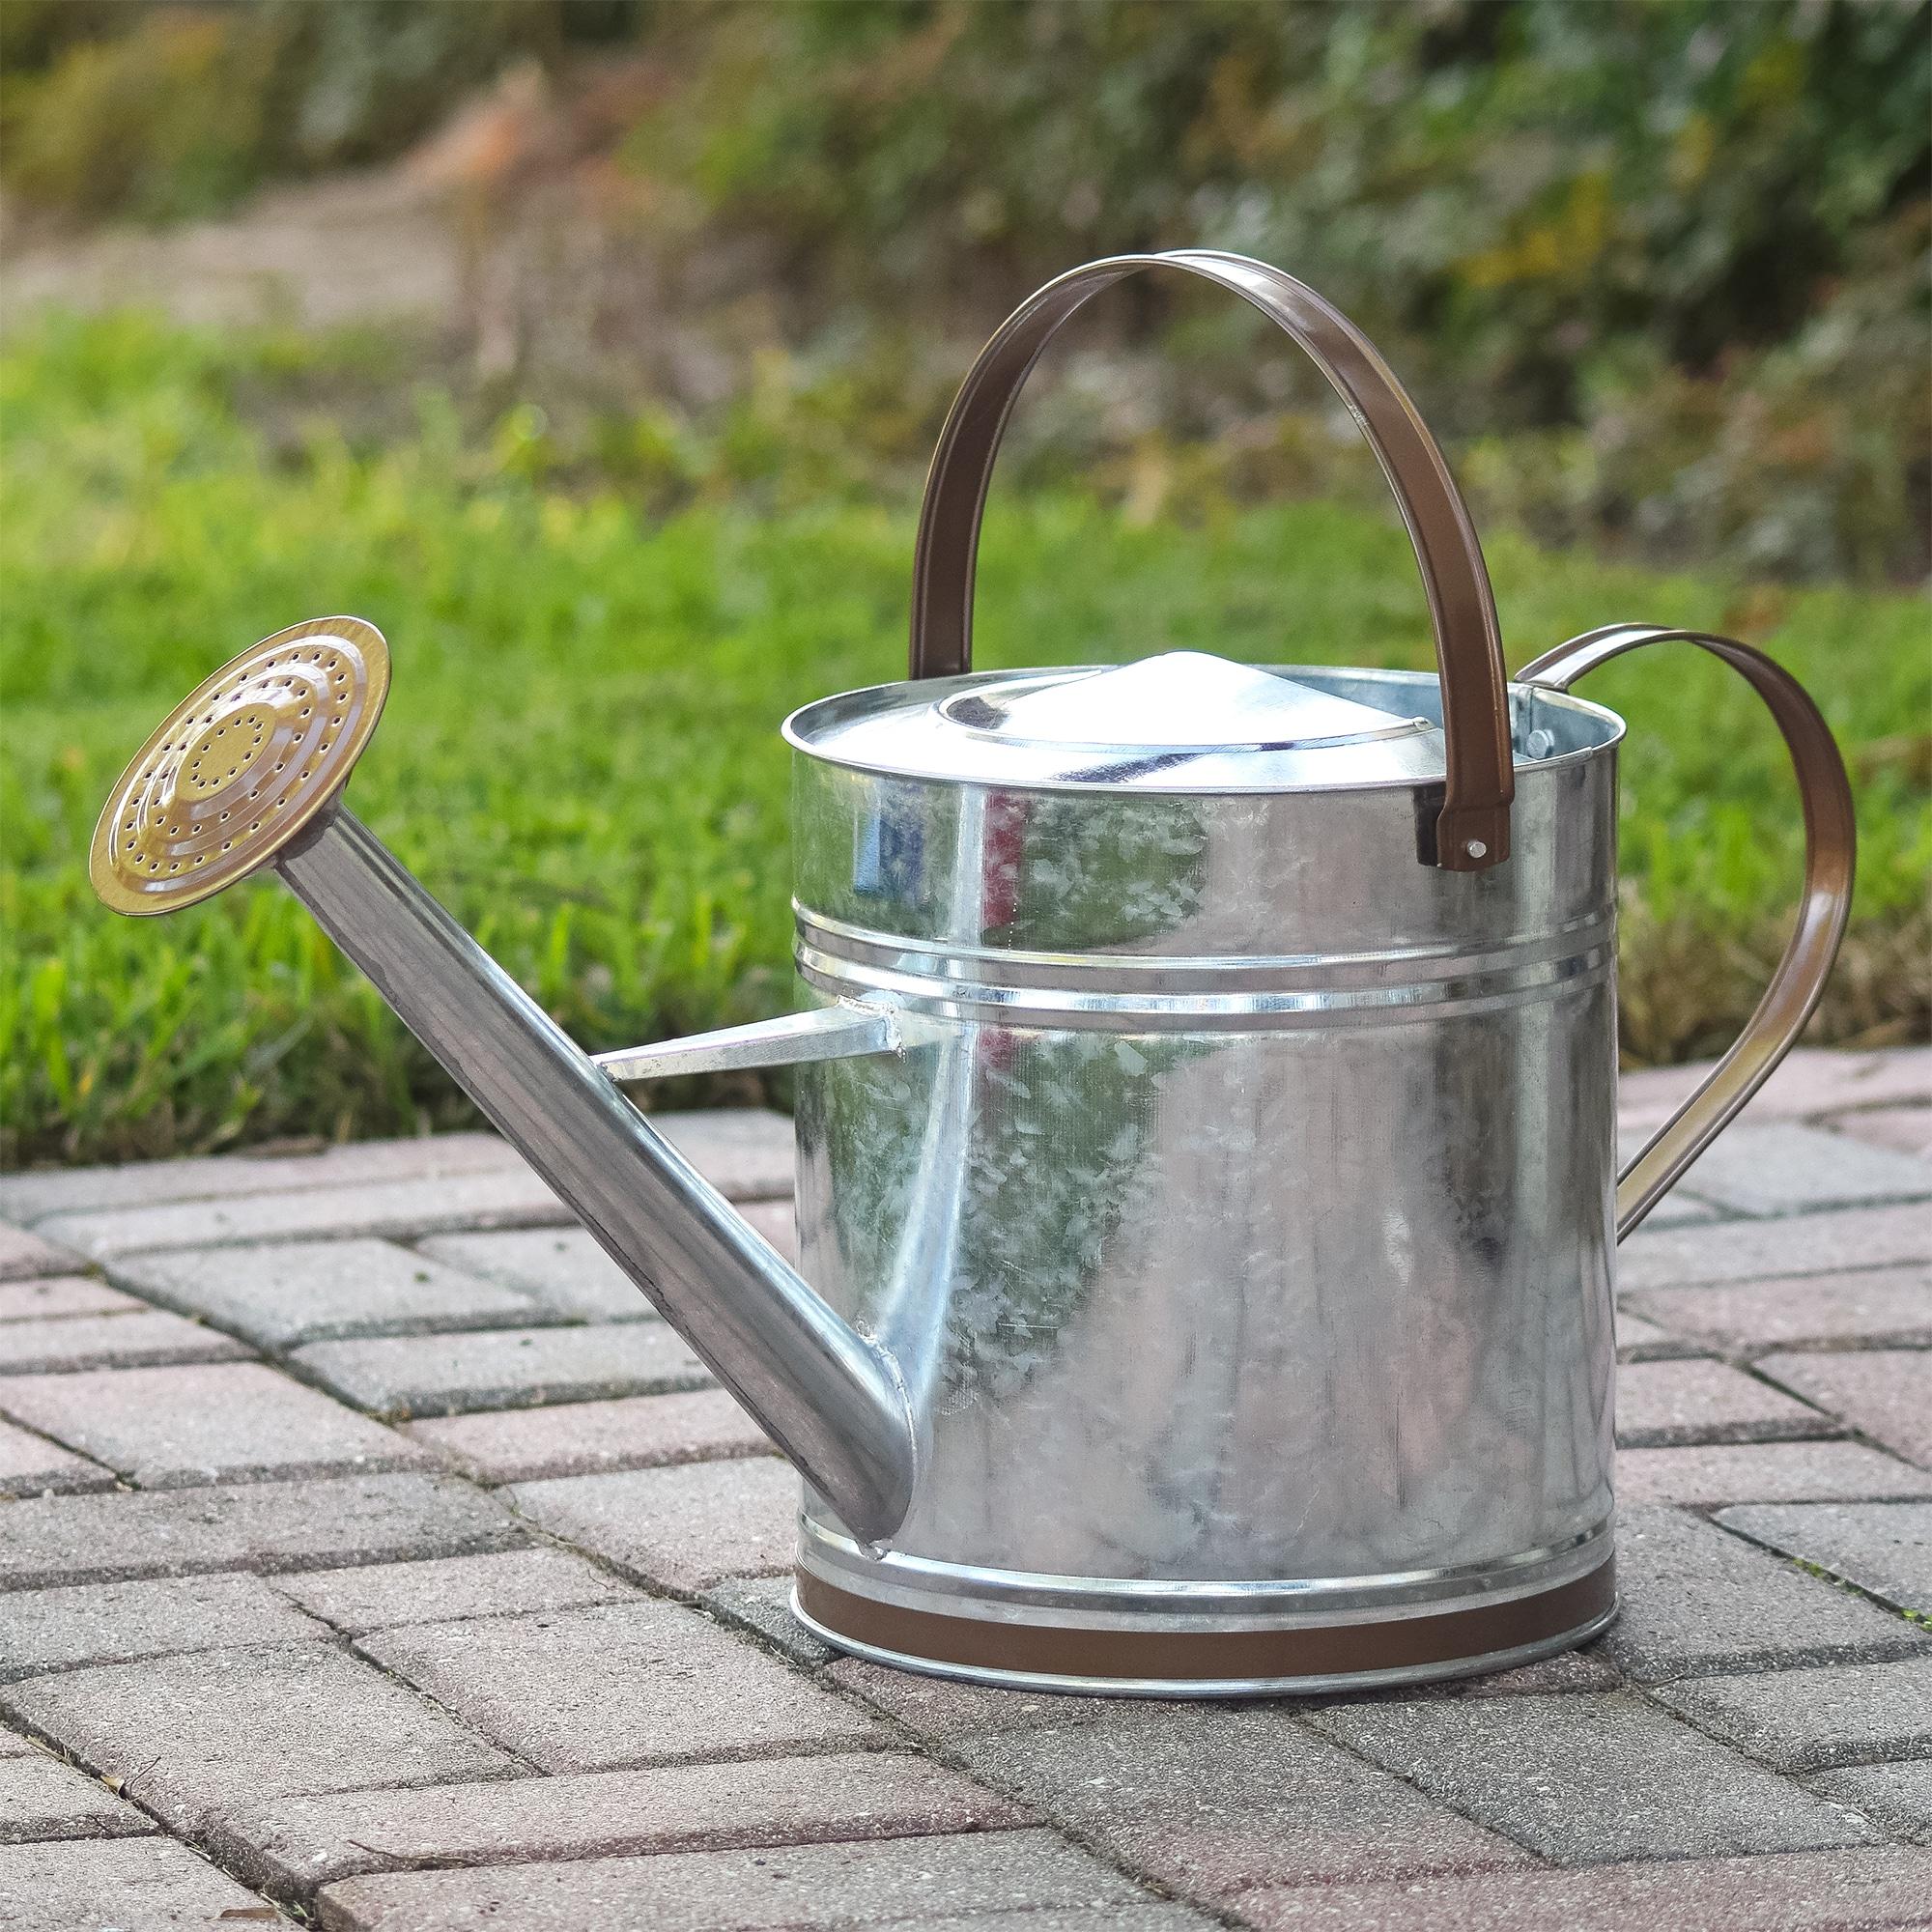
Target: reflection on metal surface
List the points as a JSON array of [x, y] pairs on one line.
[[906, 1316], [1242, 1232], [1165, 717]]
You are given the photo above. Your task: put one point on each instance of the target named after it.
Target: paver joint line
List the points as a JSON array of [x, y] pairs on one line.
[[563, 1677]]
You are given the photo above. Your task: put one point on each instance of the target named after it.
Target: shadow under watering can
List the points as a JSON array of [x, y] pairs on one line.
[[1206, 1111]]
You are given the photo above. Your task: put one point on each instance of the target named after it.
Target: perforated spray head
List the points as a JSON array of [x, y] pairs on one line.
[[240, 766]]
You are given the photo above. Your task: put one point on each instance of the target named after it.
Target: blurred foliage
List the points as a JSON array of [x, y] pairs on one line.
[[1519, 184], [1667, 260], [160, 111], [581, 756], [1685, 242]]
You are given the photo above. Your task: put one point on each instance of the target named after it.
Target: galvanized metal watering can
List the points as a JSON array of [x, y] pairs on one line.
[[1205, 1119]]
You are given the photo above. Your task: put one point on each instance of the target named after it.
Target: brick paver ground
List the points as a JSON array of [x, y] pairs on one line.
[[370, 1556]]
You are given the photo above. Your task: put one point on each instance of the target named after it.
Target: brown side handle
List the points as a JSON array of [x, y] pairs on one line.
[[1472, 826], [1830, 852]]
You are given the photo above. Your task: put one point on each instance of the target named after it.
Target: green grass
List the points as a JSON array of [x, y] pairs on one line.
[[580, 752]]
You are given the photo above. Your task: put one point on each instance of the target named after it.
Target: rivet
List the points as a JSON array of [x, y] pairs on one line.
[[1475, 848]]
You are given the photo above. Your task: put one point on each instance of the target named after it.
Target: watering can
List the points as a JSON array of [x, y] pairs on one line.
[[1208, 1179]]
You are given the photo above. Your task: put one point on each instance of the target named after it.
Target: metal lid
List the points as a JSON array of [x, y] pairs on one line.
[[1183, 721]]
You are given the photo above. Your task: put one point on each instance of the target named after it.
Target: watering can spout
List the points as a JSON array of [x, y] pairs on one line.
[[248, 773]]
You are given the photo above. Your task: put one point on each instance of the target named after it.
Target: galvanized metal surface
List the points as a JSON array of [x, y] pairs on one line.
[[1245, 1241], [819, 1033]]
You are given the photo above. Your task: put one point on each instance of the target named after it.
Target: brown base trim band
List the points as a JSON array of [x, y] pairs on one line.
[[1331, 1650]]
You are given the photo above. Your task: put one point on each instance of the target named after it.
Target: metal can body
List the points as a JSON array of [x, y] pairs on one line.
[[1241, 1223]]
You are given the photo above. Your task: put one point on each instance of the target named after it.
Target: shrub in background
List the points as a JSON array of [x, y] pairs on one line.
[[1675, 252]]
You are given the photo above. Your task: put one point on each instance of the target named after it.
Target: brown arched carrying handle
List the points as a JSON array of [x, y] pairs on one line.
[[1472, 827], [1831, 851]]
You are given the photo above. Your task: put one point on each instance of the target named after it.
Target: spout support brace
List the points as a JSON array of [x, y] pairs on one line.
[[846, 1030]]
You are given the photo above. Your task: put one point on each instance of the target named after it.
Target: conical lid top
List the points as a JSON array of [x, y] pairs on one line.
[[1177, 722], [1180, 700]]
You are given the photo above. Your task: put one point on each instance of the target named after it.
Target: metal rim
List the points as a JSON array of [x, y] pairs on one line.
[[1189, 1605], [240, 767], [803, 731], [1172, 1688], [1194, 1664]]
